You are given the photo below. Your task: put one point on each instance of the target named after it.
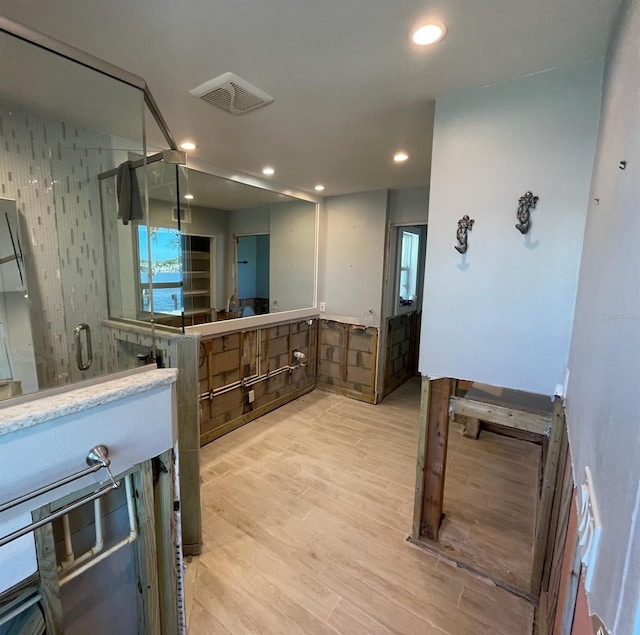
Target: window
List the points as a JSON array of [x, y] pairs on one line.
[[409, 257], [164, 271], [407, 253]]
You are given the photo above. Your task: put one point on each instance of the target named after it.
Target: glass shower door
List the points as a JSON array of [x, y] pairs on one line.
[[60, 130]]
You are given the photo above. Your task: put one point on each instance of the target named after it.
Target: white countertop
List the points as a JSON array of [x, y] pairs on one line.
[[25, 415]]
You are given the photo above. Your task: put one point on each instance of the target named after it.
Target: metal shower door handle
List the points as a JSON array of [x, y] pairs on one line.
[[77, 331]]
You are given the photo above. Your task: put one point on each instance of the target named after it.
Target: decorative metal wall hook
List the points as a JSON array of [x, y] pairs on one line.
[[525, 204], [464, 225]]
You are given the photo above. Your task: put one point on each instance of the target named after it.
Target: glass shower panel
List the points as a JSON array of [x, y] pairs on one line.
[[164, 278], [62, 124], [145, 263]]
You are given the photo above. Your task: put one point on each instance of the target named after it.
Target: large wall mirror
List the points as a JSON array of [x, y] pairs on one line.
[[220, 249]]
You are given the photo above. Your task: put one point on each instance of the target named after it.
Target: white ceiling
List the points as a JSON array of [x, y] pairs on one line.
[[349, 87]]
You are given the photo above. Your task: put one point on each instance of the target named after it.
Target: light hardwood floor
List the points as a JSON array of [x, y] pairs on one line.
[[305, 517], [490, 495]]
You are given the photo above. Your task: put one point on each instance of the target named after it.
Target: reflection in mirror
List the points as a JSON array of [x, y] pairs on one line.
[[17, 362], [61, 124], [243, 251], [252, 275]]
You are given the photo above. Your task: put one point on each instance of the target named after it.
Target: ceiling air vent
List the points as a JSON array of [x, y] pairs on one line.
[[232, 94]]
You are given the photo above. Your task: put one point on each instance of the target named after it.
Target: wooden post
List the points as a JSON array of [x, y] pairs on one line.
[[165, 538], [562, 491], [345, 350], [434, 434], [422, 459], [48, 570], [471, 428], [146, 553], [188, 413], [543, 518]]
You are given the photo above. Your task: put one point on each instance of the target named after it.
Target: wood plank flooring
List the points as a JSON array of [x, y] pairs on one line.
[[490, 497], [305, 517]]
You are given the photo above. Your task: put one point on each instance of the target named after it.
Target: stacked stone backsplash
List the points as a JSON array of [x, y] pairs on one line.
[[50, 169]]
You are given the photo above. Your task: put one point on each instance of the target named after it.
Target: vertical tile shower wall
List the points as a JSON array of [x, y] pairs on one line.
[[50, 168]]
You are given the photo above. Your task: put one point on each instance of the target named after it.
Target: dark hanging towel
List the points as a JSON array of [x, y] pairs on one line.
[[129, 206]]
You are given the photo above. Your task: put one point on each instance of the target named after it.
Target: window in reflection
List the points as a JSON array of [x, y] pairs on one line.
[[164, 270]]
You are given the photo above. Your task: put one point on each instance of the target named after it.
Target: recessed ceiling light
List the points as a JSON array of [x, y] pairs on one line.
[[399, 157], [429, 33], [189, 197], [268, 171], [319, 188], [188, 145]]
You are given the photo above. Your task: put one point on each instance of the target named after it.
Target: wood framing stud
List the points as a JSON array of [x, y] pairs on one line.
[[509, 417], [543, 517], [436, 438], [146, 557], [48, 569], [471, 427]]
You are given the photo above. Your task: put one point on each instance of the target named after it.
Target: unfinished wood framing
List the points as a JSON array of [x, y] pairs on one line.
[[501, 415], [153, 551], [418, 500], [189, 443], [48, 571], [347, 359], [432, 454], [555, 490], [545, 508], [401, 350], [556, 544], [233, 365], [550, 492], [471, 427], [146, 555], [164, 495]]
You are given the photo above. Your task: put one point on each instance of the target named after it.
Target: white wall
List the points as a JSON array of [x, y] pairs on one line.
[[354, 227], [602, 404], [502, 313]]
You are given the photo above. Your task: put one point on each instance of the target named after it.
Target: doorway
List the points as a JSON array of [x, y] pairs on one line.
[[400, 332], [252, 274]]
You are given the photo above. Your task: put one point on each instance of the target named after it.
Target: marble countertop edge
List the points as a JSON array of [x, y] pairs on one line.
[[25, 415]]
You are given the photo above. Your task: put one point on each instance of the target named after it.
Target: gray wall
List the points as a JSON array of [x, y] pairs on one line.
[[409, 206], [502, 313], [353, 252], [292, 255], [602, 402]]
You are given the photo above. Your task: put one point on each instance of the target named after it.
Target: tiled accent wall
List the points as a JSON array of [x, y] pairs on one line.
[[123, 342], [50, 168]]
